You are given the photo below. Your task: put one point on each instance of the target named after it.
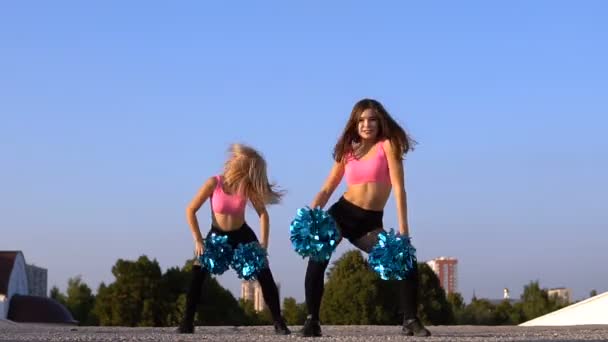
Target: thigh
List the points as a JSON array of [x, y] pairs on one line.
[[341, 236], [368, 241], [344, 223]]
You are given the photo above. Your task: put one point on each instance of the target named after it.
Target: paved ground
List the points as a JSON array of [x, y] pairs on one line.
[[14, 332]]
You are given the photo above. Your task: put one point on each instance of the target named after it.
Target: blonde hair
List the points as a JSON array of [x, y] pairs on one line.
[[245, 173]]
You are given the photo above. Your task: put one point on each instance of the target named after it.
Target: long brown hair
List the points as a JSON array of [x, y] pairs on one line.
[[245, 173], [388, 128]]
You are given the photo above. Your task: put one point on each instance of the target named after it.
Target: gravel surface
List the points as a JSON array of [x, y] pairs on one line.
[[30, 332]]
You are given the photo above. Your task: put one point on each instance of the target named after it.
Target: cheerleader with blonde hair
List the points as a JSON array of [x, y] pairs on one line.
[[244, 179]]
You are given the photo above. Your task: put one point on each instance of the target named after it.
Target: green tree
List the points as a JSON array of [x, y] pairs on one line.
[[351, 292], [176, 311], [458, 306], [218, 306], [593, 293], [354, 294], [479, 312], [504, 313], [57, 295], [80, 301], [174, 284], [265, 316], [253, 317], [294, 313], [141, 296], [536, 301], [135, 297], [434, 307], [517, 313], [103, 304]]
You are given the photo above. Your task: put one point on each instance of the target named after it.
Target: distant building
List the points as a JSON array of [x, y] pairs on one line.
[[23, 293], [506, 296], [252, 291], [13, 279], [564, 294], [36, 280], [446, 269]]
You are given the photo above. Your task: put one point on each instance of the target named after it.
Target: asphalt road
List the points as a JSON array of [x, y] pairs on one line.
[[29, 332]]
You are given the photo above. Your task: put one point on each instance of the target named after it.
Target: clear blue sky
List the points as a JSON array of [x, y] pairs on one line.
[[114, 113]]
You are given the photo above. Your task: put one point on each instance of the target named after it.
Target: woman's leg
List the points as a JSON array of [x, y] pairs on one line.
[[270, 291], [314, 285], [314, 282], [367, 242], [193, 296], [408, 289]]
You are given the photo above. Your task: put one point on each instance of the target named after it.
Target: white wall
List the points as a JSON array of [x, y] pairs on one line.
[[3, 307], [17, 283], [590, 311]]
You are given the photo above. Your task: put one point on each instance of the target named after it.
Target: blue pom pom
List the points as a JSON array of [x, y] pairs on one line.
[[314, 234], [393, 257], [249, 259], [217, 255]]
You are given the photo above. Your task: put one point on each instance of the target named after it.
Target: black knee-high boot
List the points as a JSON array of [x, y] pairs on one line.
[[314, 286], [409, 295], [270, 293], [409, 304], [192, 299]]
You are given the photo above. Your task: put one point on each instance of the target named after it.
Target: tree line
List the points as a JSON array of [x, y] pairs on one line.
[[142, 295]]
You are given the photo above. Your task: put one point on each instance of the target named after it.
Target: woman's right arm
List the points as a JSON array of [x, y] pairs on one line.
[[331, 183], [203, 194]]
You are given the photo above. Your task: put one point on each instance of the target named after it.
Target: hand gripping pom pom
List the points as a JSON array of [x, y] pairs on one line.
[[393, 257], [314, 234], [249, 259], [217, 256]]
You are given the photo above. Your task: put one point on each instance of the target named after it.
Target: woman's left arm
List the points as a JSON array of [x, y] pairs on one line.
[[264, 223], [395, 166]]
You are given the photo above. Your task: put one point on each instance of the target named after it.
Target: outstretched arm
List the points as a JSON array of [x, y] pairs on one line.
[[264, 223], [396, 171], [332, 181], [203, 194]]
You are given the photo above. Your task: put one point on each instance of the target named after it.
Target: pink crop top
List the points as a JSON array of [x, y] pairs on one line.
[[373, 169], [223, 203]]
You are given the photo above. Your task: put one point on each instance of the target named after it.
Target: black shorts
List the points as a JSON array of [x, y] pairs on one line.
[[242, 235], [353, 221]]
